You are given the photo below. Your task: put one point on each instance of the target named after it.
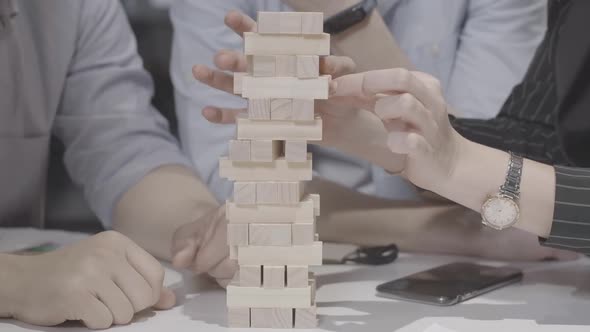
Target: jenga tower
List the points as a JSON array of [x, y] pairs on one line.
[[271, 230]]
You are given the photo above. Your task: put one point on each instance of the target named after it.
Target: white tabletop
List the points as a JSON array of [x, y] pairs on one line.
[[552, 297]]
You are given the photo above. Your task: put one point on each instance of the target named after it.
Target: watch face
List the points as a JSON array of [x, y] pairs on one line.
[[500, 212]]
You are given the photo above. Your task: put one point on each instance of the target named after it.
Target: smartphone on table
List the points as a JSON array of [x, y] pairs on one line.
[[449, 284]]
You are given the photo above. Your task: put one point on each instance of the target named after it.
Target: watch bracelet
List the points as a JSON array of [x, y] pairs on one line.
[[511, 186]]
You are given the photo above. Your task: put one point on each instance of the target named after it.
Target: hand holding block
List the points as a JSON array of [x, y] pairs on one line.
[[277, 170], [269, 234], [302, 212], [285, 87], [279, 130], [274, 44]]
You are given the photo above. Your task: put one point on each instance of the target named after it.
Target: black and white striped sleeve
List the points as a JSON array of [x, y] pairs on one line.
[[571, 219]]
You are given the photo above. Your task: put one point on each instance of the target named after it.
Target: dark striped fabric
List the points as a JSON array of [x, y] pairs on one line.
[[528, 125]]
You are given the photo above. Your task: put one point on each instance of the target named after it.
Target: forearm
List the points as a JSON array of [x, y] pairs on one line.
[[481, 170], [371, 34], [151, 211], [10, 269]]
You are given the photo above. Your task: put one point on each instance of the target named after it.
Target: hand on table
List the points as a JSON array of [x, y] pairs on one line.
[[348, 129], [202, 246], [101, 281], [412, 108]]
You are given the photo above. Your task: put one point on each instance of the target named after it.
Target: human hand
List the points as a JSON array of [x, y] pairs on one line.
[[202, 246], [414, 112], [345, 128], [101, 281]]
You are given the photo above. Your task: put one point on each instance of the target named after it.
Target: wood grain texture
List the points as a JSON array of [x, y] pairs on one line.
[[263, 65], [274, 276], [276, 170], [303, 110], [279, 193], [285, 87], [259, 109], [306, 318], [286, 65], [312, 23], [250, 275], [281, 109], [272, 318], [245, 193], [270, 235], [239, 150], [269, 22], [303, 234], [238, 317], [259, 297], [303, 212], [290, 23], [297, 276], [237, 235], [276, 44], [308, 66], [280, 130], [296, 151], [265, 150], [292, 255]]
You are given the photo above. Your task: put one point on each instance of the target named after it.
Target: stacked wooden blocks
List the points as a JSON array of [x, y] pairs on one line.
[[271, 230]]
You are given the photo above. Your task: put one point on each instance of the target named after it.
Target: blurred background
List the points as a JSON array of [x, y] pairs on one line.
[[65, 204]]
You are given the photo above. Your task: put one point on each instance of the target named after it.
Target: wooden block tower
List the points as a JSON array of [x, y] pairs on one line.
[[271, 230]]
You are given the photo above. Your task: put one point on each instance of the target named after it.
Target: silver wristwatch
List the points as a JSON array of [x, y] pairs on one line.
[[501, 211]]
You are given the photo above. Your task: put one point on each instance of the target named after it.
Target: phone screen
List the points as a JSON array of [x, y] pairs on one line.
[[450, 284]]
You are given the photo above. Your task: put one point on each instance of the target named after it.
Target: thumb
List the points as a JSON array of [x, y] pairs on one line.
[[167, 299], [184, 257]]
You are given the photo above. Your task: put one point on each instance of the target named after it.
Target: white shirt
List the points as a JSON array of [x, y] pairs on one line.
[[478, 49]]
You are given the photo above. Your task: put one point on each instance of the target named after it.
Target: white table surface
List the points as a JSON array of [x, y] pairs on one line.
[[552, 297]]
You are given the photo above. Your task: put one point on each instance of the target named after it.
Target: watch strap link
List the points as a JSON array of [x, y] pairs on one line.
[[511, 186]]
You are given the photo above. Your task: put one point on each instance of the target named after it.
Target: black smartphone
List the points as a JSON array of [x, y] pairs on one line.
[[449, 284]]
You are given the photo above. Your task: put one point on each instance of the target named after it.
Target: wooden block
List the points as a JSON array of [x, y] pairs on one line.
[[276, 170], [292, 255], [290, 23], [233, 253], [270, 234], [285, 87], [239, 150], [312, 285], [306, 318], [259, 109], [316, 203], [281, 109], [276, 44], [303, 110], [265, 150], [259, 297], [238, 80], [274, 276], [279, 130], [302, 212], [286, 65], [296, 151], [237, 235], [269, 22], [250, 276], [245, 193], [297, 276], [238, 317], [263, 65], [303, 234], [272, 318], [308, 66], [279, 193], [312, 23]]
